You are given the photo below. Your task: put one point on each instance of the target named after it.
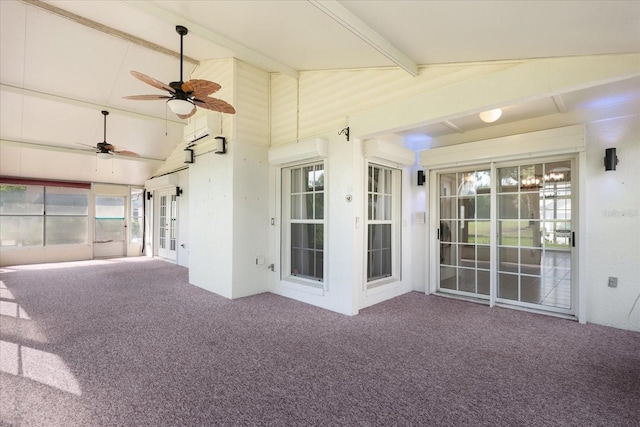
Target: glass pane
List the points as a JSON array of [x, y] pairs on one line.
[[374, 178], [448, 254], [387, 181], [508, 206], [448, 231], [21, 199], [448, 277], [531, 177], [530, 206], [508, 259], [508, 233], [319, 236], [302, 206], [467, 184], [467, 256], [387, 208], [483, 207], [483, 255], [508, 180], [482, 231], [319, 264], [531, 261], [308, 172], [448, 207], [296, 180], [483, 282], [109, 207], [137, 216], [530, 234], [319, 206], [467, 280], [61, 230], [466, 207], [508, 286], [21, 230], [319, 178], [448, 185], [530, 289], [108, 229]]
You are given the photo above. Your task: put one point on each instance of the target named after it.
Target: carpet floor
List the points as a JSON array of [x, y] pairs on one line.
[[129, 342]]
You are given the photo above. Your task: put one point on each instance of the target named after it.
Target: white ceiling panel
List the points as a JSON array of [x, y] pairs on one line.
[[57, 73]]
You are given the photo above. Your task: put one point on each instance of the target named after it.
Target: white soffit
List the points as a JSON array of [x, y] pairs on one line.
[[306, 150], [563, 140], [377, 149]]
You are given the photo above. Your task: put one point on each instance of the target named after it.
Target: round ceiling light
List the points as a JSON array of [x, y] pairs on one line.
[[491, 115], [180, 106]]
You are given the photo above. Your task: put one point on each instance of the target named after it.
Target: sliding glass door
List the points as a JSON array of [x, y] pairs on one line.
[[528, 208], [465, 232], [534, 231]]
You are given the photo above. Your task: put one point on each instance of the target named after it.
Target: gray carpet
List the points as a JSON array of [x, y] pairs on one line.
[[131, 343]]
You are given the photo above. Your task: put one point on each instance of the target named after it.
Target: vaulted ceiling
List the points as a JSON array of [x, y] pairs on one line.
[[63, 62]]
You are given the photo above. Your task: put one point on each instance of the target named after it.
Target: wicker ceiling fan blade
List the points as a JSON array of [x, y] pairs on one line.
[[147, 97], [200, 88], [186, 116], [151, 81], [215, 104], [121, 152]]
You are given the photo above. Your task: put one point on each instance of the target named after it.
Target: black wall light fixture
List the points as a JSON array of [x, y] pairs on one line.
[[421, 178], [178, 191], [149, 195], [220, 145], [188, 155], [610, 159]]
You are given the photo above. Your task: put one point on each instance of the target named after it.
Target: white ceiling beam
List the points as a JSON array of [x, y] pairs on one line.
[[58, 148], [83, 104], [107, 30], [348, 20], [560, 105], [241, 52], [451, 126]]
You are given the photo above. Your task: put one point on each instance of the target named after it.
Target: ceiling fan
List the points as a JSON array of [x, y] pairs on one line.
[[106, 150], [185, 96]]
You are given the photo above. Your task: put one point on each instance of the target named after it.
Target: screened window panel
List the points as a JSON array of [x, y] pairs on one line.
[[21, 199], [22, 230], [66, 230], [109, 229], [66, 201]]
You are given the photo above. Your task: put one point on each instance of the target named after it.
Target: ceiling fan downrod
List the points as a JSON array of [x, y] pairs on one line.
[[105, 113], [182, 31]]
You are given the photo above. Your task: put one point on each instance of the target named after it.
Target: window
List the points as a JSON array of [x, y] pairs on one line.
[[303, 214], [137, 215], [109, 218], [383, 219], [43, 215]]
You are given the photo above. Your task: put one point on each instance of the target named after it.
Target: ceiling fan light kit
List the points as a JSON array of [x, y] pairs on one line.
[[180, 106], [184, 97], [104, 155]]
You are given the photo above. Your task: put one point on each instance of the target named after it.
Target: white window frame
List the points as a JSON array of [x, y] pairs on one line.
[[396, 226], [287, 221]]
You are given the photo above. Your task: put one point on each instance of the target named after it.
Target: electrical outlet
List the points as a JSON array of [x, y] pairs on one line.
[[613, 282]]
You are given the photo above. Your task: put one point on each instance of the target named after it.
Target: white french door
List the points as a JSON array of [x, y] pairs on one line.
[[167, 225], [505, 233]]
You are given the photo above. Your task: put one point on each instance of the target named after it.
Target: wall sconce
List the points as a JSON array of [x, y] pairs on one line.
[[149, 195], [178, 191], [220, 145], [421, 178], [188, 155], [610, 159]]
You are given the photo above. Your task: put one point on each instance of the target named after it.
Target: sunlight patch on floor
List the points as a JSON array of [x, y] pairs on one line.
[[37, 365]]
